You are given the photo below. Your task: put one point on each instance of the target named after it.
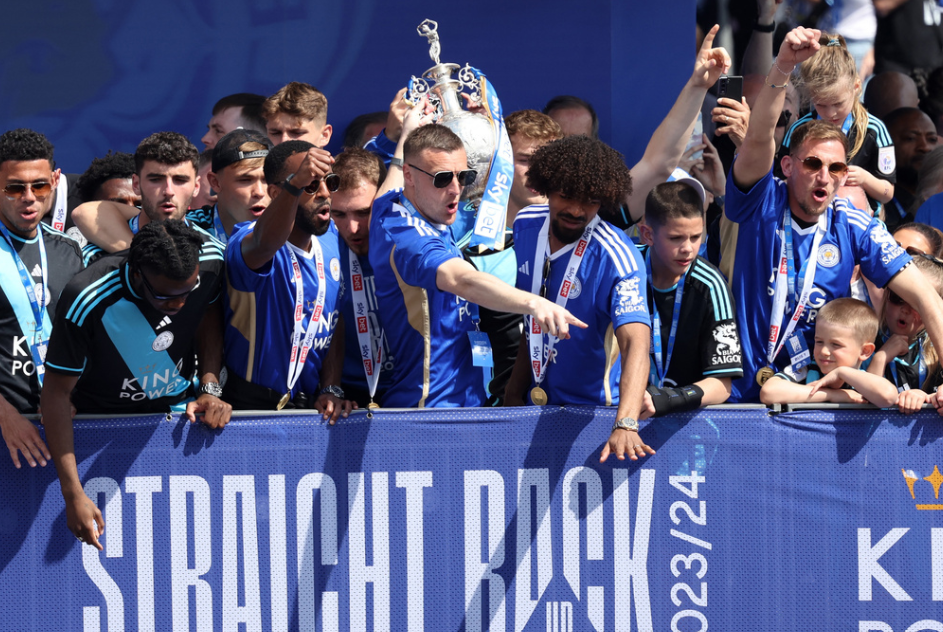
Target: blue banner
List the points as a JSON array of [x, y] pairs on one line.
[[487, 520]]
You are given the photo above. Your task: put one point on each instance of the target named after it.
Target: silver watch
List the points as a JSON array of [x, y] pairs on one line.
[[211, 388], [626, 423], [336, 391]]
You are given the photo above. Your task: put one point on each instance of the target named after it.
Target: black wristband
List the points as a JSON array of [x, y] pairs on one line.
[[764, 28], [675, 400]]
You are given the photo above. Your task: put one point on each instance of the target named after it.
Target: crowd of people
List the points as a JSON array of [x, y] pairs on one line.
[[266, 274]]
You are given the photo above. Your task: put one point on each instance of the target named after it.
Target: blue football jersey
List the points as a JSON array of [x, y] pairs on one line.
[[609, 291], [260, 312], [852, 237], [427, 329]]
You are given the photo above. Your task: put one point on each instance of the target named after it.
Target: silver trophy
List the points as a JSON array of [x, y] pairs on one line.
[[474, 129]]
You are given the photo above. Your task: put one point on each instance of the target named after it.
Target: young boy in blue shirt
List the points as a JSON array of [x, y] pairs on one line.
[[845, 330]]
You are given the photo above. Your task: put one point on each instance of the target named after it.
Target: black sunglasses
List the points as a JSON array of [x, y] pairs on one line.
[[894, 299], [784, 117], [441, 179], [546, 276], [916, 252], [814, 164], [18, 189], [332, 181], [158, 297]]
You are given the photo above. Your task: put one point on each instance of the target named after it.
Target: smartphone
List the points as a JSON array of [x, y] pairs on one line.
[[730, 87]]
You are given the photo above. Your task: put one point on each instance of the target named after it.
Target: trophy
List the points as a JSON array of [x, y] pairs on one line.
[[474, 129]]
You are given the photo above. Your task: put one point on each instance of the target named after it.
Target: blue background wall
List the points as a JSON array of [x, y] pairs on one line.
[[95, 75]]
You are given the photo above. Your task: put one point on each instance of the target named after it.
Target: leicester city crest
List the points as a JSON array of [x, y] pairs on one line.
[[163, 341], [829, 256]]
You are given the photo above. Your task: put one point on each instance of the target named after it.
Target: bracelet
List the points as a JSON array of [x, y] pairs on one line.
[[773, 85], [764, 28], [775, 59]]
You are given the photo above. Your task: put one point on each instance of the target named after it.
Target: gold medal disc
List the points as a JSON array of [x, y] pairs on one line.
[[373, 406], [538, 396], [763, 375], [283, 401]]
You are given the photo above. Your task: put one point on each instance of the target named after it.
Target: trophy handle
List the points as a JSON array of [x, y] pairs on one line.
[[468, 79]]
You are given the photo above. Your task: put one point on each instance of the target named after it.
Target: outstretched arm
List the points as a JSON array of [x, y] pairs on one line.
[[667, 143], [759, 145], [460, 277], [633, 339]]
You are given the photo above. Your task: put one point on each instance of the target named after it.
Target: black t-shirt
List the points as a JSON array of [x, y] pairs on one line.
[[707, 343], [18, 380], [909, 37], [131, 357]]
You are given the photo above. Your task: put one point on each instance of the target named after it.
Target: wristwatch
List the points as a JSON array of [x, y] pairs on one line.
[[211, 388], [289, 187], [396, 162], [336, 391], [626, 423]]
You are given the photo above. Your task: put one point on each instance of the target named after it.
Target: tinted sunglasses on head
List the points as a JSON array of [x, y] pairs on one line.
[[814, 164], [160, 297], [18, 189], [441, 179]]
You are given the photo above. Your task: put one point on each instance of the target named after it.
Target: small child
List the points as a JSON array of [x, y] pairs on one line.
[[844, 332], [906, 357], [695, 352]]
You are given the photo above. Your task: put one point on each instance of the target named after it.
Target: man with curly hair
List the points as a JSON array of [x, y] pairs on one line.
[[568, 254], [36, 263], [427, 293]]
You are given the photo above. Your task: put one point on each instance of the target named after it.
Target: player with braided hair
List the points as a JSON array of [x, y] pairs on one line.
[[123, 341]]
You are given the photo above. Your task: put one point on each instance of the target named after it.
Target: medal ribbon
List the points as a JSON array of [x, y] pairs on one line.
[[62, 201], [535, 337], [657, 378], [218, 228], [492, 212], [921, 368], [297, 359], [786, 269], [371, 358], [37, 303]]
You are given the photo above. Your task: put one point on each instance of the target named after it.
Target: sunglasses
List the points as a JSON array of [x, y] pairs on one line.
[[18, 189], [158, 297], [546, 275], [894, 299], [332, 181], [813, 164], [784, 117], [442, 179]]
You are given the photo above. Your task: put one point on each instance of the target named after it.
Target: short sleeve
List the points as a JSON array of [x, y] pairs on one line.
[[240, 275], [418, 251], [879, 254], [759, 203], [68, 343]]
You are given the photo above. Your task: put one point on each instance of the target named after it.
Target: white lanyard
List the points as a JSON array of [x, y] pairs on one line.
[[538, 357], [371, 360], [297, 359], [775, 342], [62, 201]]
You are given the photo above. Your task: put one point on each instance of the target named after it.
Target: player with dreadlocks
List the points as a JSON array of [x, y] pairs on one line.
[[123, 341], [567, 254]]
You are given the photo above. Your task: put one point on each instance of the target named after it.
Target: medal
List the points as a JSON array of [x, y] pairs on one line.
[[763, 375], [283, 401], [538, 396], [373, 405]]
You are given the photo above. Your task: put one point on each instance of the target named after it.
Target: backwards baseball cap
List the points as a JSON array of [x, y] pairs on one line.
[[227, 149], [680, 175]]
